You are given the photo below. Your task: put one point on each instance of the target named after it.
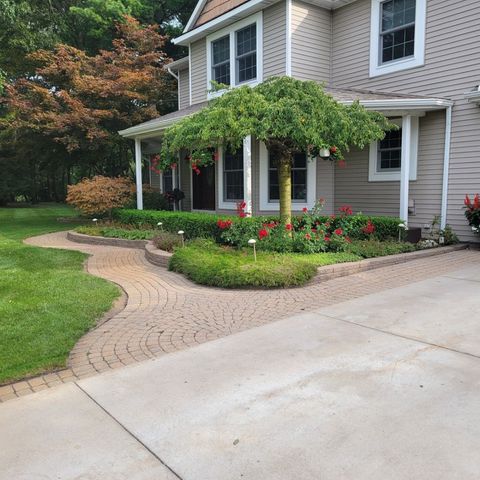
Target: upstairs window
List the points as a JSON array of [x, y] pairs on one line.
[[398, 29], [234, 54], [246, 51], [397, 38], [221, 60]]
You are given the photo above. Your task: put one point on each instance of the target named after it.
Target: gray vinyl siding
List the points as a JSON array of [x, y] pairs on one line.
[[325, 185], [183, 89], [452, 60], [198, 52], [383, 198], [311, 42], [353, 188], [274, 40]]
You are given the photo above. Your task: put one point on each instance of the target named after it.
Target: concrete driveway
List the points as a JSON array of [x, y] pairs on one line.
[[386, 387]]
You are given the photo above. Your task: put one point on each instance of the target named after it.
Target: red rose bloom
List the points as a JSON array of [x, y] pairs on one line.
[[338, 231], [288, 227], [262, 234], [327, 239], [305, 210]]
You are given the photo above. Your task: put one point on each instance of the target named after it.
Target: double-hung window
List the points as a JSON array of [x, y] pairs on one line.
[[397, 35], [246, 54], [234, 54], [221, 60], [167, 181], [233, 176], [385, 162], [299, 179]]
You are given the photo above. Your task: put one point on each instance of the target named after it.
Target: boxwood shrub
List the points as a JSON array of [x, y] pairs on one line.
[[204, 225]]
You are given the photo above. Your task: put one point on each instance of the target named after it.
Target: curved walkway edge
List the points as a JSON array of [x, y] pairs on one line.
[[166, 313]]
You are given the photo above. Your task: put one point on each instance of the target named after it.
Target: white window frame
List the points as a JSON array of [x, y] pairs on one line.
[[266, 204], [374, 175], [230, 31], [378, 68], [222, 203]]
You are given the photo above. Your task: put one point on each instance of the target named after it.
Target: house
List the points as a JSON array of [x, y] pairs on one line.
[[416, 61]]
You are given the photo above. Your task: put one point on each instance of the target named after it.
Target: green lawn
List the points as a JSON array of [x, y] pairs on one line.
[[47, 301]]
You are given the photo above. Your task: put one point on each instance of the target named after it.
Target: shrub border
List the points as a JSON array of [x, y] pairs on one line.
[[160, 258]]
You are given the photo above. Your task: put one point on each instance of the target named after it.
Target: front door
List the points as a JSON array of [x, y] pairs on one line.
[[203, 186]]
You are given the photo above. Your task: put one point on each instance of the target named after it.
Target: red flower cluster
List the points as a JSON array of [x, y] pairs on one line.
[[308, 236], [241, 209], [338, 231], [269, 225], [288, 227], [262, 233], [224, 224], [305, 210], [475, 205], [346, 210], [369, 228], [195, 167], [154, 161]]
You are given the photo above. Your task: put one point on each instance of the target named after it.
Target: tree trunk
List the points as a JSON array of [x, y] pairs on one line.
[[285, 186]]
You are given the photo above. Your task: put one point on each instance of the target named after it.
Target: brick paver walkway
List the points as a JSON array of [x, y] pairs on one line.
[[165, 312]]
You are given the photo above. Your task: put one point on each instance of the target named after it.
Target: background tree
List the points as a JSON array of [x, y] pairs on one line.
[[288, 115], [73, 107]]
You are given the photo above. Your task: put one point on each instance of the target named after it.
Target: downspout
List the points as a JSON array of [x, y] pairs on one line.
[[288, 45], [172, 73], [446, 166]]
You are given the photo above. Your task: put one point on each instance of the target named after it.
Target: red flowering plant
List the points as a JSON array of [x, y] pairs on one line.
[[472, 212]]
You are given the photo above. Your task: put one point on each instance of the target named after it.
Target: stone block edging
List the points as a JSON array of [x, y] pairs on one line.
[[329, 272], [113, 242], [156, 256]]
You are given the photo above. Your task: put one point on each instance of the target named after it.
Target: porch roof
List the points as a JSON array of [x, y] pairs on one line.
[[391, 104]]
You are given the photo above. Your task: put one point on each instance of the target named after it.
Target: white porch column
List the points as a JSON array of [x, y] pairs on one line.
[[405, 166], [138, 173], [174, 186], [247, 172]]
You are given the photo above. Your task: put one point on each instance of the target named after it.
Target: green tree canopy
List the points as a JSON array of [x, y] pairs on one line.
[[288, 115]]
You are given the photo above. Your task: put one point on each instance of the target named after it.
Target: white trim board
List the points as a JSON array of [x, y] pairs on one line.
[[265, 204], [418, 58]]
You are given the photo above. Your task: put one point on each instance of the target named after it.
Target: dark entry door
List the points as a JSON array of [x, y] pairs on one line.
[[203, 186]]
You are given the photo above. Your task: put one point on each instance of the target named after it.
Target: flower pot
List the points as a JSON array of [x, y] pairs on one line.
[[324, 152]]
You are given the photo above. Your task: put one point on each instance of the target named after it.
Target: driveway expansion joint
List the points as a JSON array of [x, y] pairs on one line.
[[129, 432]]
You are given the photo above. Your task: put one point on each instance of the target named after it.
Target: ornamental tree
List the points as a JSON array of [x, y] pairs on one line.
[[288, 115]]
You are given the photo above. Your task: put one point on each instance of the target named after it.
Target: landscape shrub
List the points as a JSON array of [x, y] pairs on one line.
[[100, 195], [167, 241], [117, 232], [207, 263], [234, 231], [472, 212], [152, 199], [375, 248]]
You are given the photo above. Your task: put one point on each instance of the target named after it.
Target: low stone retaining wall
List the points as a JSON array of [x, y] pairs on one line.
[[156, 256], [113, 242], [343, 269], [152, 254]]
